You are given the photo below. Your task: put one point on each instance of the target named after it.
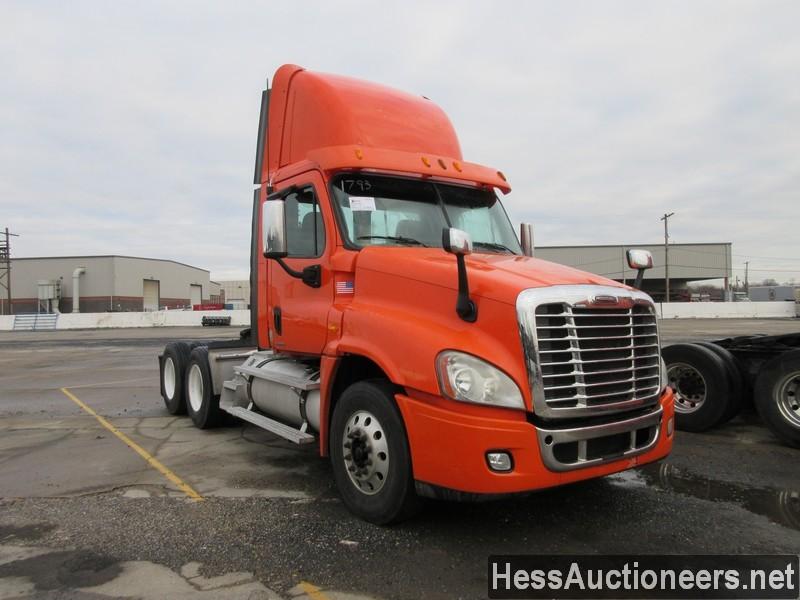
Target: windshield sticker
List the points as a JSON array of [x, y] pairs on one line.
[[362, 203]]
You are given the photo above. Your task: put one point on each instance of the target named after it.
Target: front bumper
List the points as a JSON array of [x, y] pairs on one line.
[[448, 448]]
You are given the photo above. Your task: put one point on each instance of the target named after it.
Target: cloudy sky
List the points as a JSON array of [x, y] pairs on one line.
[[129, 127]]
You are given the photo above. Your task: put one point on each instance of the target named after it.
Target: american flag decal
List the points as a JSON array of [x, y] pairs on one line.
[[345, 287]]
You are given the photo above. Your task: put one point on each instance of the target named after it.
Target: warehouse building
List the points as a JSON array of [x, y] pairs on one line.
[[236, 293], [687, 262], [107, 283]]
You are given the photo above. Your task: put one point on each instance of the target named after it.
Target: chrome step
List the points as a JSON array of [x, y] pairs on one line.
[[299, 383], [276, 427]]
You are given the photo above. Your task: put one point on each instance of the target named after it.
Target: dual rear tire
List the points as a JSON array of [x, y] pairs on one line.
[[708, 385], [777, 396], [186, 384]]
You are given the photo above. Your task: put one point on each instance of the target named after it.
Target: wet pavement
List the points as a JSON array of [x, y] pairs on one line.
[[84, 516]]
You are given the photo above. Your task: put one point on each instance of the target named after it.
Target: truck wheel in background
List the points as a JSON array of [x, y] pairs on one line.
[[201, 402], [736, 380], [370, 455], [173, 366], [700, 382], [777, 396]]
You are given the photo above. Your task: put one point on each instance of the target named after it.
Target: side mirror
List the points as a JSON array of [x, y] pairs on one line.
[[273, 225], [526, 238], [455, 241], [639, 259]]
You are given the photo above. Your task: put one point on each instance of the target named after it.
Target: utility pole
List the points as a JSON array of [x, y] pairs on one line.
[[5, 270], [746, 281], [665, 218]]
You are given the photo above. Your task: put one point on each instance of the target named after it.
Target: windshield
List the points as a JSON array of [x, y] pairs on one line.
[[393, 211]]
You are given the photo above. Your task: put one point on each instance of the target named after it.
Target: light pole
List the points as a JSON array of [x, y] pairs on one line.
[[665, 218]]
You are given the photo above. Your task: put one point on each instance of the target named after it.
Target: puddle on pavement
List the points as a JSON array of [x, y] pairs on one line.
[[780, 506]]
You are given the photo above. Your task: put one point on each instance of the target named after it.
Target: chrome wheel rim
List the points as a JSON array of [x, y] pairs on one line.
[[689, 387], [788, 398], [195, 388], [366, 453], [169, 378]]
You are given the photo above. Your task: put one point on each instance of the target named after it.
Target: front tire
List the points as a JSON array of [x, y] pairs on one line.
[[370, 454], [201, 402], [777, 396]]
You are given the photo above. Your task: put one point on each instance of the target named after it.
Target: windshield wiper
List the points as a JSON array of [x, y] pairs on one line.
[[494, 246], [393, 238]]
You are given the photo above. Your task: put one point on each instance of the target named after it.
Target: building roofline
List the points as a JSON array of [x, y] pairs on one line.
[[169, 260], [635, 245]]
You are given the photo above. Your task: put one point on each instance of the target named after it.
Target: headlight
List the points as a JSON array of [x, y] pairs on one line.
[[467, 378], [664, 378]]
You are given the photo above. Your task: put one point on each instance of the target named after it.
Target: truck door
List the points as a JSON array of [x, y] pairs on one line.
[[298, 313]]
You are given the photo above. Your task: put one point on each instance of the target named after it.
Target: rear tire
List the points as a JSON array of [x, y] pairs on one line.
[[736, 380], [699, 379], [201, 402], [370, 455], [777, 396], [173, 366]]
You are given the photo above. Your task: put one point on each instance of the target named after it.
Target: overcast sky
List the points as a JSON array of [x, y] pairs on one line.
[[129, 127]]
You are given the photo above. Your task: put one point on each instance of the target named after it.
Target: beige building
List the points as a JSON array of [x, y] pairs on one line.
[[107, 283], [236, 292], [687, 262]]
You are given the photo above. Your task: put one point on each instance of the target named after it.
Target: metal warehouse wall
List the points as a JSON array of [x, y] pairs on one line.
[[109, 283], [174, 279], [687, 262]]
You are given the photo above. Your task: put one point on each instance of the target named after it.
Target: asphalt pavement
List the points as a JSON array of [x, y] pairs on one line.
[[83, 514]]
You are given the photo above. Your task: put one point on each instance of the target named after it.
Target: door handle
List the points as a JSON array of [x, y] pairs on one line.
[[276, 318]]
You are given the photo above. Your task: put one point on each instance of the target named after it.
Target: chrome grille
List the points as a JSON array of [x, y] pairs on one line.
[[597, 352]]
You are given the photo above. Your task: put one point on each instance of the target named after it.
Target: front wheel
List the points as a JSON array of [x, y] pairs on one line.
[[370, 455]]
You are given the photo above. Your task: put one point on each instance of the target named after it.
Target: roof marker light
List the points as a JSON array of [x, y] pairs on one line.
[[501, 176], [425, 161], [457, 166], [442, 164], [359, 154]]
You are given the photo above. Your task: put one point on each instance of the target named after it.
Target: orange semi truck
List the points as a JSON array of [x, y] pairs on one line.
[[398, 323]]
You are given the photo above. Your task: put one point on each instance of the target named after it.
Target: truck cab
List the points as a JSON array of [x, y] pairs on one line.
[[398, 323]]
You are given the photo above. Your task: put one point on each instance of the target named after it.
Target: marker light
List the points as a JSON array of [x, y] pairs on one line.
[[457, 166], [425, 161], [501, 176], [467, 378], [359, 154], [442, 164]]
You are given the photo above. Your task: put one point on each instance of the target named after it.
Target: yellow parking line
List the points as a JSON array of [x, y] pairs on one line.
[[312, 591], [149, 458]]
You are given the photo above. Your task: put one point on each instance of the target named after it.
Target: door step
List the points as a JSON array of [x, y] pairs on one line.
[[276, 427]]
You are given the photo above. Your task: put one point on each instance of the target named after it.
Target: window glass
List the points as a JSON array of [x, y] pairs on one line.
[[379, 210], [305, 230]]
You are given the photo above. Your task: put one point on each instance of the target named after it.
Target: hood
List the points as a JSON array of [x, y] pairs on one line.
[[499, 277]]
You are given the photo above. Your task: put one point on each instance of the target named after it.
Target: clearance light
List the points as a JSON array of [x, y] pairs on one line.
[[441, 164], [359, 154], [425, 161], [457, 166], [501, 176]]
